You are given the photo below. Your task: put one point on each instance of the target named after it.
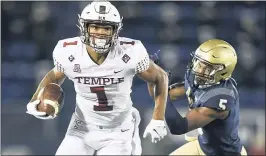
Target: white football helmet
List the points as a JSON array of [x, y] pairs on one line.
[[99, 12]]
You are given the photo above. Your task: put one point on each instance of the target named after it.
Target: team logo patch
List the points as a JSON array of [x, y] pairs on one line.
[[77, 68], [125, 58], [71, 58]]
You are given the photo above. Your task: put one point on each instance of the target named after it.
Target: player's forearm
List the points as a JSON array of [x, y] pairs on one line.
[[50, 77], [176, 123], [161, 91], [151, 90], [179, 125]]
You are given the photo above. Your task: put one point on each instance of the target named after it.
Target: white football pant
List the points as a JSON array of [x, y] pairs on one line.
[[88, 139]]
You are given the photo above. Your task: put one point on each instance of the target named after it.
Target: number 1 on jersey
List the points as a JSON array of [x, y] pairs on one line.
[[70, 43], [127, 42], [102, 99]]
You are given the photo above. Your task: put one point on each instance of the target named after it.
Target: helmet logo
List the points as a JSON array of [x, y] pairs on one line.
[[102, 9]]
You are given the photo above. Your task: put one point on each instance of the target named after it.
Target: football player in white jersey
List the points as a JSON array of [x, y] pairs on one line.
[[102, 66]]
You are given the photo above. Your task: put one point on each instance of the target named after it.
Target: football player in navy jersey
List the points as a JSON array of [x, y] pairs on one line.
[[213, 102]]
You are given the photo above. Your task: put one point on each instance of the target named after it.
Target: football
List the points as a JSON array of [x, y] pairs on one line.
[[51, 99]]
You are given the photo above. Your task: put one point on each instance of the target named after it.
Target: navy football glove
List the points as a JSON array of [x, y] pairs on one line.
[[155, 58]]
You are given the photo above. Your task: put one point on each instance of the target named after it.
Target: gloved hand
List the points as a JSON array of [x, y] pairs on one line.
[[155, 58], [157, 130], [32, 110]]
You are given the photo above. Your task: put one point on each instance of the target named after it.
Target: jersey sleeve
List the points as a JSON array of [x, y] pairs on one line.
[[219, 99], [58, 63], [142, 60]]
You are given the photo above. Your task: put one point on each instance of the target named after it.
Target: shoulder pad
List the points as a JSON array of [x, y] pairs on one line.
[[128, 43], [64, 52], [66, 46], [69, 42], [218, 98]]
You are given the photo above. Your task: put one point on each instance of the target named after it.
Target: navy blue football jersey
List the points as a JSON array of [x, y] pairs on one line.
[[220, 137]]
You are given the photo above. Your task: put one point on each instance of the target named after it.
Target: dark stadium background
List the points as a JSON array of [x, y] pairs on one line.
[[30, 30]]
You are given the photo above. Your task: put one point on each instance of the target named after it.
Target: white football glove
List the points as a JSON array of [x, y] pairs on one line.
[[157, 130], [32, 110]]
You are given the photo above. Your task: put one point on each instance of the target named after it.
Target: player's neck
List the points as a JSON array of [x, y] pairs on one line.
[[96, 57]]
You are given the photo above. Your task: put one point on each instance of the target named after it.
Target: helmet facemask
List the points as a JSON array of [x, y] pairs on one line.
[[100, 43], [204, 72]]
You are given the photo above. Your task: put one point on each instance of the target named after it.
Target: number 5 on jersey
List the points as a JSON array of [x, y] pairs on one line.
[[222, 104]]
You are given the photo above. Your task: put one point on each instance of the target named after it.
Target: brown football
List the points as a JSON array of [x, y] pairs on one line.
[[51, 92]]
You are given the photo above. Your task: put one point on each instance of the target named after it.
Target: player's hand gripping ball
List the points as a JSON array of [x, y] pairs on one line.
[[51, 97]]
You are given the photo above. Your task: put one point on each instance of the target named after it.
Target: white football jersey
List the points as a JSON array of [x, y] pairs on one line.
[[102, 91]]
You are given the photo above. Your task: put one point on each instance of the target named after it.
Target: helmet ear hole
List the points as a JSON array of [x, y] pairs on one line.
[[224, 73]]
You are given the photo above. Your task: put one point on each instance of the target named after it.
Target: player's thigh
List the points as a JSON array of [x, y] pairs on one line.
[[136, 141], [243, 151], [125, 139], [116, 148], [74, 145], [190, 148], [120, 143]]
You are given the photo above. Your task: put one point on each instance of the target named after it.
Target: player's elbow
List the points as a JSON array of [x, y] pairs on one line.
[[175, 129], [162, 77]]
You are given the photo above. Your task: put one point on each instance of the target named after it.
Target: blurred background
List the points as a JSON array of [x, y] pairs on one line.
[[30, 30]]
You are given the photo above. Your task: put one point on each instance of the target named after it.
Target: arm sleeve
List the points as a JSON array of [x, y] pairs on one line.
[[142, 61], [56, 58], [176, 123]]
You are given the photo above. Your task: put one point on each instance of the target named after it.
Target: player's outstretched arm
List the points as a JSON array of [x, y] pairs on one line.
[[53, 76], [158, 83], [158, 88], [195, 118]]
